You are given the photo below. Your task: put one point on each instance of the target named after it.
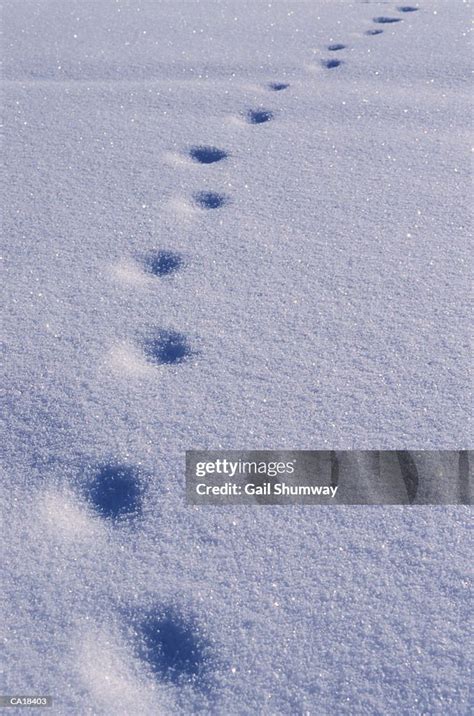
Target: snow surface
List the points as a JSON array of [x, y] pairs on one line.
[[321, 305]]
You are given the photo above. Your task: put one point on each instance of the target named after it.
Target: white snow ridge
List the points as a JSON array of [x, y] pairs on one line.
[[231, 225]]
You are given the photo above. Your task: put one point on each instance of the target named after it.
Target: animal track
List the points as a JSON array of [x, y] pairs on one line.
[[382, 20], [465, 496], [171, 646], [278, 86], [337, 46], [167, 347], [407, 8], [163, 263], [259, 116], [210, 200], [116, 492], [330, 64], [409, 473], [373, 32], [207, 155]]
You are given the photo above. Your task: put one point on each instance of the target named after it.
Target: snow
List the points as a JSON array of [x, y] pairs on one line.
[[321, 305]]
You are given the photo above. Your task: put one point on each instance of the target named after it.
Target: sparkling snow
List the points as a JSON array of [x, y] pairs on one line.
[[232, 224]]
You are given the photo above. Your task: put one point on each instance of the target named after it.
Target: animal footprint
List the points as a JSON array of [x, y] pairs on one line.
[[330, 64], [409, 473], [464, 482], [207, 155], [259, 116], [373, 32], [163, 263], [407, 8], [172, 647], [277, 86], [210, 200], [382, 20], [167, 347], [336, 47], [116, 492]]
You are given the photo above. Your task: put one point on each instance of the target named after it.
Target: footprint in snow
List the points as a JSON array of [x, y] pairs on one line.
[[207, 155], [409, 473], [383, 20], [277, 86], [163, 263], [167, 347], [464, 483], [373, 32], [330, 64], [336, 47], [259, 116], [407, 8], [172, 646], [116, 492], [210, 200]]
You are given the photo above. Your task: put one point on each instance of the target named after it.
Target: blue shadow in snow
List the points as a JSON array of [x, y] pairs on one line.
[[163, 263], [278, 86], [209, 200], [259, 116], [207, 155], [168, 347], [172, 647], [382, 20], [374, 32], [330, 64], [337, 46], [116, 492]]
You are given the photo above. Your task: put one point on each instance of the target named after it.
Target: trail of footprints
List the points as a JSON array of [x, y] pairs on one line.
[[169, 347], [330, 63], [167, 639], [169, 642]]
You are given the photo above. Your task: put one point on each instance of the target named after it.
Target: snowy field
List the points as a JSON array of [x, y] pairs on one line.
[[237, 224]]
